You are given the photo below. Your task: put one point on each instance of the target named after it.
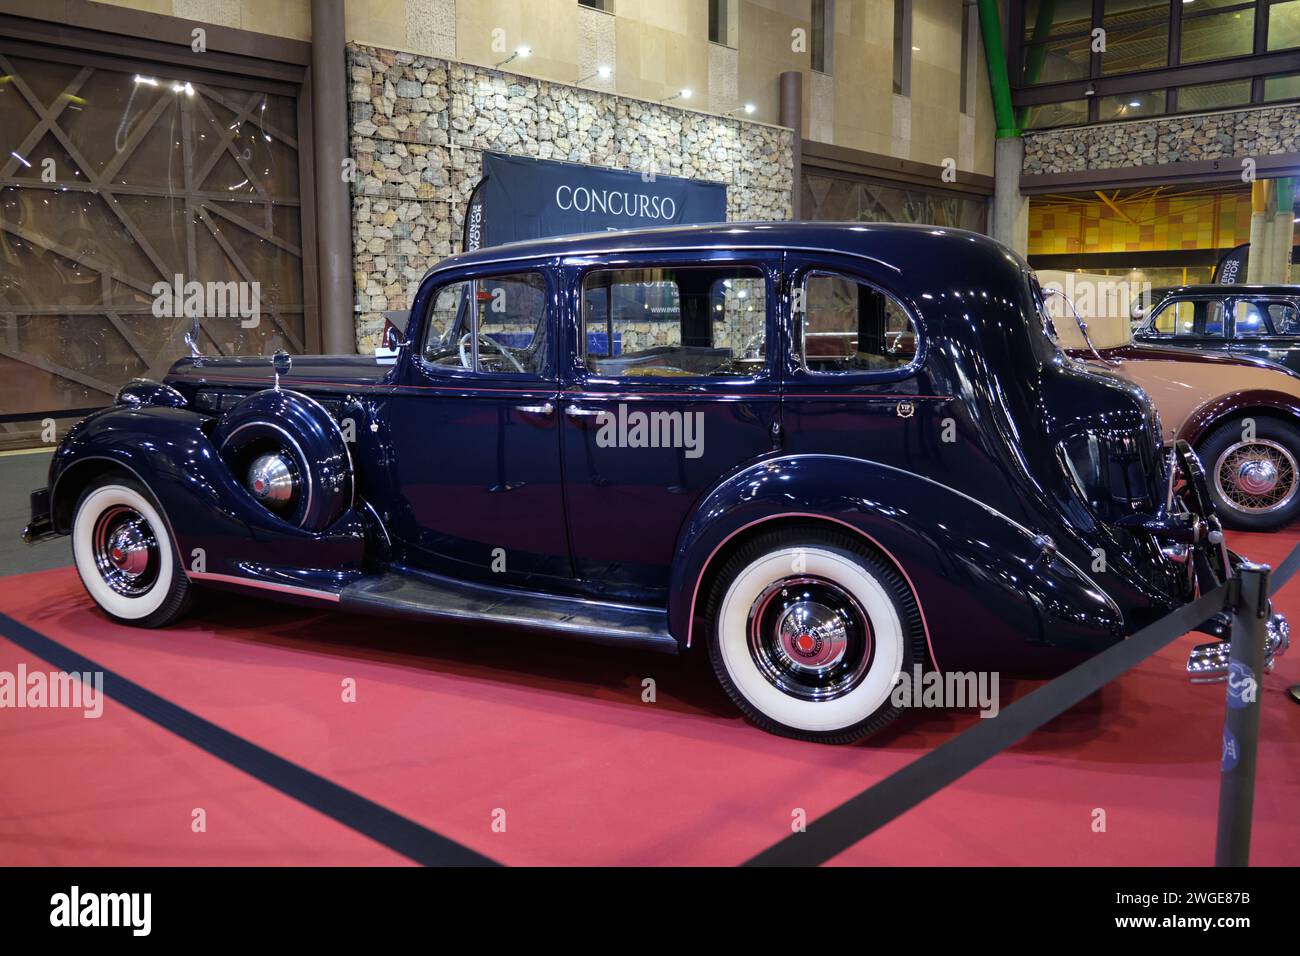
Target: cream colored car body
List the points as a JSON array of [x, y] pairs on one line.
[[1194, 391]]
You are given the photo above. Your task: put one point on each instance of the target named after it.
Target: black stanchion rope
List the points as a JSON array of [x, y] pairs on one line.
[[398, 833], [862, 815], [873, 808]]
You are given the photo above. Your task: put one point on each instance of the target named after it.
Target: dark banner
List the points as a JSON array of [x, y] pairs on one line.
[[523, 198], [1231, 269]]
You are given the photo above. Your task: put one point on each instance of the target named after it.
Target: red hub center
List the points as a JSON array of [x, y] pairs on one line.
[[805, 643]]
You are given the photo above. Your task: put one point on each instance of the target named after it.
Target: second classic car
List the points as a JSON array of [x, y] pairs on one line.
[[1220, 364], [1258, 321], [826, 454]]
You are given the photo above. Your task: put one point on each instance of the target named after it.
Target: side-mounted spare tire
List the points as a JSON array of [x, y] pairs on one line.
[[290, 455]]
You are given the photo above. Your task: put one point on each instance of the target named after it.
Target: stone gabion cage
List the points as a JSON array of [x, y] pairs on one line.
[[420, 126]]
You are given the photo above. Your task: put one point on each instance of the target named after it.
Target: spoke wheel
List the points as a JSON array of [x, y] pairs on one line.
[[1257, 477]]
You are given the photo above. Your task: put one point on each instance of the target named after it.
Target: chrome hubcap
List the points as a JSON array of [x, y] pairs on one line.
[[1257, 477], [126, 552], [272, 481], [810, 638], [812, 635]]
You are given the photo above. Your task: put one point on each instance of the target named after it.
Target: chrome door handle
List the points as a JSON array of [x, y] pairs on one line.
[[574, 412], [543, 409]]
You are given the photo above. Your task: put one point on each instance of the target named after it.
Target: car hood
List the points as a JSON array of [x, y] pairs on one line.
[[308, 372]]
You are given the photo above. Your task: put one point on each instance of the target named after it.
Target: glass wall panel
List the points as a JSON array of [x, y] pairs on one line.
[[1284, 25], [1072, 113], [1214, 96], [1136, 48], [114, 186], [1057, 60], [1044, 18], [1131, 105], [1217, 36], [1283, 87]]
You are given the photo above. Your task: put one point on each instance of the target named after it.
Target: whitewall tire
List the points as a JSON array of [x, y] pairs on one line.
[[809, 631], [124, 553]]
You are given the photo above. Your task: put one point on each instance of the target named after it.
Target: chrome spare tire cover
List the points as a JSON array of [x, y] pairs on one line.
[[297, 430]]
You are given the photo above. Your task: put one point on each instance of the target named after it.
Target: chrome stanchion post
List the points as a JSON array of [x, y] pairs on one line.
[[1241, 723]]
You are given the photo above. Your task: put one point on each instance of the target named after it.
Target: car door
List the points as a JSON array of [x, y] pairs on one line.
[[669, 387], [475, 453], [1266, 327], [855, 380]]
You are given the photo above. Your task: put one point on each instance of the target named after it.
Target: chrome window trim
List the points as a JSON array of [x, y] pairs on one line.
[[854, 375]]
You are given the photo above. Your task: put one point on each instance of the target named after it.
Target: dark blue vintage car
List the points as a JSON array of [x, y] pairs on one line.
[[830, 454]]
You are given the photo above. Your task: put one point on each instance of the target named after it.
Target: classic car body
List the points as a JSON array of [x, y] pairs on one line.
[[1257, 321], [801, 445], [1239, 412]]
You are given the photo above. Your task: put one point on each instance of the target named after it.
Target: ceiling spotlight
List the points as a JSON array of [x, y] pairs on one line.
[[748, 109], [1091, 90], [521, 53], [1135, 103]]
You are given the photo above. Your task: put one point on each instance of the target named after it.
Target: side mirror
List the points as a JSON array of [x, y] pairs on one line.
[[392, 338], [394, 335]]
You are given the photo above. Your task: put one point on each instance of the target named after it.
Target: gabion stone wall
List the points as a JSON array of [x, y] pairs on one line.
[[419, 127], [1165, 139]]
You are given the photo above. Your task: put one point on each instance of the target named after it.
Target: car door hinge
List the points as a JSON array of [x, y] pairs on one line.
[[776, 434]]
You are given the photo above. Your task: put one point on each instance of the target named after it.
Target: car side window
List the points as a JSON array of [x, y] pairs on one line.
[[674, 322], [1249, 320], [846, 325], [492, 325], [1190, 317], [1284, 317]]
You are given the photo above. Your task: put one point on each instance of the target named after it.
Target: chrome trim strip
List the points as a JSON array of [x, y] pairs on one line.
[[456, 262], [264, 585]]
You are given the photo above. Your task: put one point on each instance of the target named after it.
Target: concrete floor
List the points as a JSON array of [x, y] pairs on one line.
[[19, 474]]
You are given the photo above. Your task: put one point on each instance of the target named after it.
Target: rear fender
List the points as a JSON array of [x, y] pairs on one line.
[[992, 593]]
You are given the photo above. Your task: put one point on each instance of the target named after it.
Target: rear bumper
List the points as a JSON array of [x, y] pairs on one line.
[[41, 525]]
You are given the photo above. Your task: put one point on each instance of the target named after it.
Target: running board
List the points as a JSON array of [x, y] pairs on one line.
[[402, 595]]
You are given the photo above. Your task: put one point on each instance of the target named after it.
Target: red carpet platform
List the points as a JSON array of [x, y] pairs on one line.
[[458, 729]]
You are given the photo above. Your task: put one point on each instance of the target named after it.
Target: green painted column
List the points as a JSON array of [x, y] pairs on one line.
[[1009, 217]]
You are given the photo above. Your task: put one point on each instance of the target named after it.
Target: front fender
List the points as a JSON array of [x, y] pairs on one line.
[[992, 594], [205, 506]]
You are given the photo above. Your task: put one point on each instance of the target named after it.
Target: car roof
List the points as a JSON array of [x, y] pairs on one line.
[[1213, 289], [867, 239]]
